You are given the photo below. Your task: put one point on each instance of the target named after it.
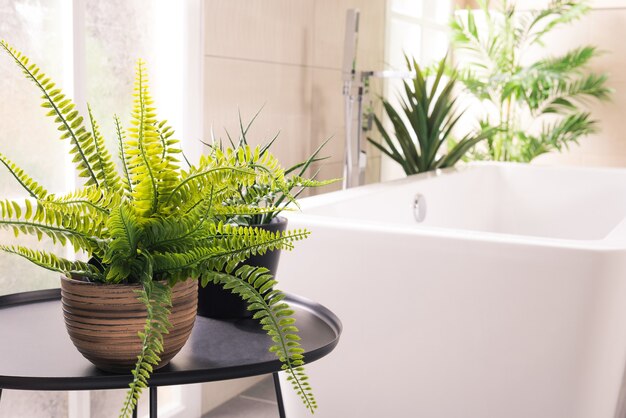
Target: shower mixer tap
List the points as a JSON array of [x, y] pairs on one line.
[[355, 85]]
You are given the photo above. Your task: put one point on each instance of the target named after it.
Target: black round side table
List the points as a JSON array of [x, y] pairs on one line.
[[36, 352]]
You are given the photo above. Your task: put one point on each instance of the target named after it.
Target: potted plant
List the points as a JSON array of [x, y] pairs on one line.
[[270, 195], [149, 230], [425, 122], [540, 105]]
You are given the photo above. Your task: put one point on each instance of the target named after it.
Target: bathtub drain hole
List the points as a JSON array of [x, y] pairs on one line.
[[419, 207]]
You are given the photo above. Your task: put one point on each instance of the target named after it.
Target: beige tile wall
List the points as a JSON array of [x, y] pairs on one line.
[[286, 56]]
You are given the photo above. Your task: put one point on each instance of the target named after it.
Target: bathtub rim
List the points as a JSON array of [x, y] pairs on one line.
[[611, 241]]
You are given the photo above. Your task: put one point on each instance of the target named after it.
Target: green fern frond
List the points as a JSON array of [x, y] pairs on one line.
[[157, 298], [69, 122], [298, 181], [168, 175], [85, 210], [52, 262], [231, 210], [101, 161], [123, 156], [238, 243], [272, 189], [145, 147], [175, 233], [60, 228], [31, 186], [91, 198], [255, 286], [225, 247], [265, 164], [126, 233], [186, 192]]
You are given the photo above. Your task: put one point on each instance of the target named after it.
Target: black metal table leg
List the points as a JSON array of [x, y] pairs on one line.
[[279, 396], [153, 402], [135, 412]]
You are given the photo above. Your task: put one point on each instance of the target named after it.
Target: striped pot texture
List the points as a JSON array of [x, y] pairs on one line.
[[103, 321]]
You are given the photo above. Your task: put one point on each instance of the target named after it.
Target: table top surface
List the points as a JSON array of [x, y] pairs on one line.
[[36, 352]]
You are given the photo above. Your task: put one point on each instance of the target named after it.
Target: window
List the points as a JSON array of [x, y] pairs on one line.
[[89, 48], [418, 28]]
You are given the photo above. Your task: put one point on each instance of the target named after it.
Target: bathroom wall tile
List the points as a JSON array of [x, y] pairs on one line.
[[610, 116], [551, 159], [464, 3], [372, 172], [330, 21], [327, 114], [284, 92], [616, 161], [260, 30], [370, 54], [601, 28], [607, 31]]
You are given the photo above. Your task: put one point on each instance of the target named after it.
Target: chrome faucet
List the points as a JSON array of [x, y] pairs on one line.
[[355, 158], [354, 88]]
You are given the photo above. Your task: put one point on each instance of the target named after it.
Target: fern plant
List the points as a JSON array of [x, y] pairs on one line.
[[424, 123], [539, 106], [153, 222], [273, 194]]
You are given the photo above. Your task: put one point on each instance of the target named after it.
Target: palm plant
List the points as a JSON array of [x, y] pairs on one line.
[[538, 105], [425, 123], [154, 223]]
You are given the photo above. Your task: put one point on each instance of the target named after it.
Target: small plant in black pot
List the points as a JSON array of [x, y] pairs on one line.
[[270, 196], [424, 121]]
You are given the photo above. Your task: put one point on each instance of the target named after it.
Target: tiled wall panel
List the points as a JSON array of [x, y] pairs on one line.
[[286, 56]]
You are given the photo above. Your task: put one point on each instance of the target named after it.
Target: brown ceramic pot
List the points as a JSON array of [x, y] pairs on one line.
[[103, 321]]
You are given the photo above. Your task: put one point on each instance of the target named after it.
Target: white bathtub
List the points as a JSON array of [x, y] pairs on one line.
[[507, 301]]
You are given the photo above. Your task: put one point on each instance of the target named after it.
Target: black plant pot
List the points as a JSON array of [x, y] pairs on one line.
[[215, 302]]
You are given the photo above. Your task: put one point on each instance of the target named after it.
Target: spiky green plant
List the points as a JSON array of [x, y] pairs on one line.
[[275, 196], [153, 221], [430, 115], [538, 105]]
